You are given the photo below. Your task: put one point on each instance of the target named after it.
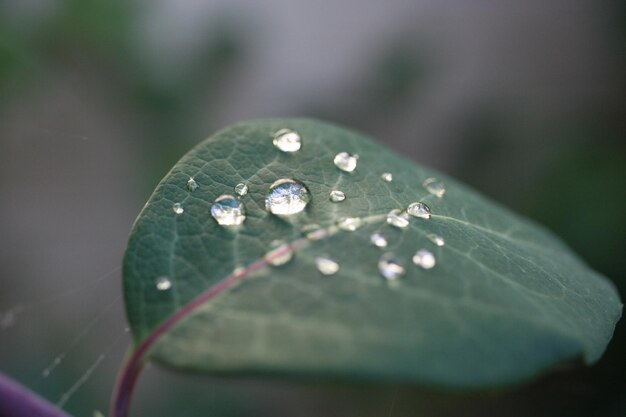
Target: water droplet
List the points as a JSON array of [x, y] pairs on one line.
[[436, 239], [378, 240], [178, 208], [387, 176], [241, 189], [313, 231], [349, 224], [192, 185], [280, 253], [337, 196], [424, 258], [326, 265], [287, 196], [228, 211], [345, 161], [398, 218], [389, 267], [163, 283], [434, 186], [287, 140], [419, 209]]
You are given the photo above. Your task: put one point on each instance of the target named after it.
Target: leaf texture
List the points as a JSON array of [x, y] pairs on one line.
[[505, 301]]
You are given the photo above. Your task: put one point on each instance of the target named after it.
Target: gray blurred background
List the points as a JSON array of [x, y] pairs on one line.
[[524, 100]]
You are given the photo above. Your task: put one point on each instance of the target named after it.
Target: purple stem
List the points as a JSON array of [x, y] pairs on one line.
[[129, 373], [17, 401]]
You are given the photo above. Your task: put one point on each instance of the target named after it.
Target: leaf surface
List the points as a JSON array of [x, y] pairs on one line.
[[505, 300]]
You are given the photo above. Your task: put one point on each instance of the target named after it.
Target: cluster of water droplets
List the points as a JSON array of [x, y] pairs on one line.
[[287, 196]]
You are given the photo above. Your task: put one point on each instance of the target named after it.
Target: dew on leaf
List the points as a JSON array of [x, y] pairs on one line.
[[424, 258], [192, 185], [280, 253], [387, 176], [178, 208], [436, 239], [398, 218], [163, 283], [434, 186], [419, 209], [349, 224], [337, 196], [241, 189], [390, 267], [287, 140], [287, 196], [326, 265], [345, 161], [378, 240], [228, 211]]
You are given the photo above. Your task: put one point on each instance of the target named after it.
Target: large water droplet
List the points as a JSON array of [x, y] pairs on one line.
[[434, 186], [228, 210], [280, 253], [287, 140], [345, 161], [287, 196], [163, 283], [326, 265], [349, 224], [178, 208], [387, 176], [192, 184], [398, 218], [378, 240], [436, 239], [424, 258], [419, 209], [389, 267], [337, 196], [241, 189]]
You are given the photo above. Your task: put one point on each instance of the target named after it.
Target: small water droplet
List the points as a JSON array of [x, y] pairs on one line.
[[313, 231], [287, 140], [436, 239], [419, 209], [345, 161], [280, 253], [337, 196], [192, 185], [434, 186], [228, 211], [287, 196], [389, 267], [387, 176], [163, 283], [241, 189], [349, 224], [398, 218], [378, 240], [326, 265], [178, 208], [424, 258]]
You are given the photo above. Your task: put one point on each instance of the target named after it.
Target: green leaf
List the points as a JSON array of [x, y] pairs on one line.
[[505, 301]]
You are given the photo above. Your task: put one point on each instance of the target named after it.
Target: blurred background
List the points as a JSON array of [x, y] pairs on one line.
[[525, 101]]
